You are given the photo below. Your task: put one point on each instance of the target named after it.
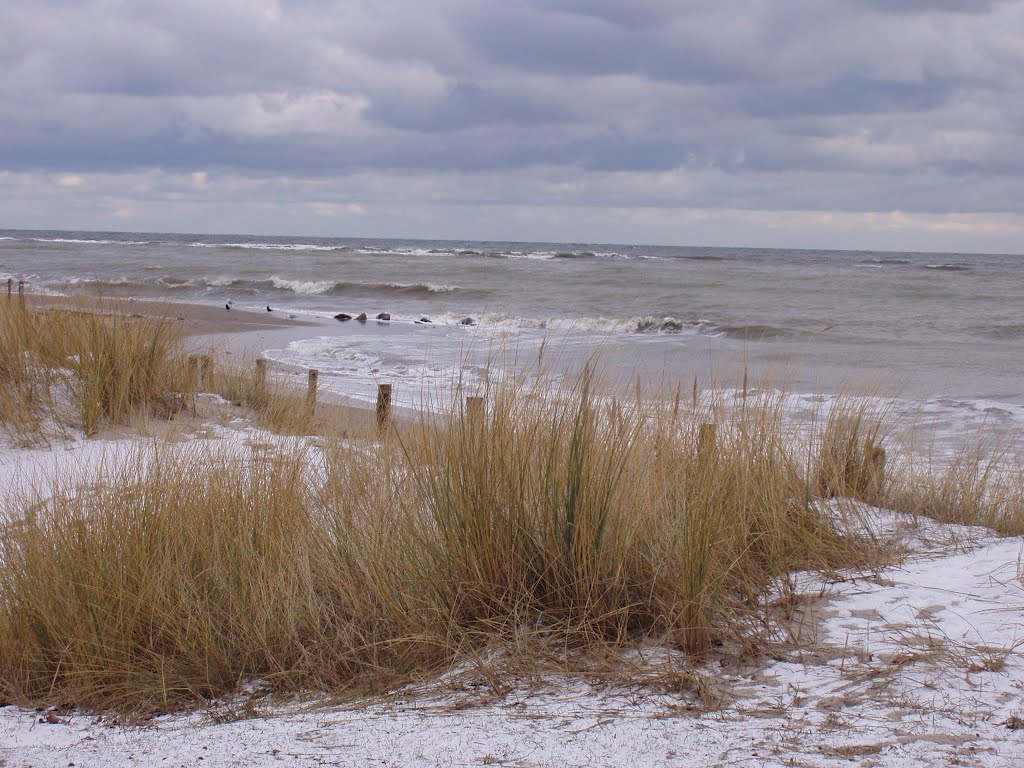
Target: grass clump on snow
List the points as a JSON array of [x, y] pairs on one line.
[[553, 517], [546, 518], [25, 382], [104, 365]]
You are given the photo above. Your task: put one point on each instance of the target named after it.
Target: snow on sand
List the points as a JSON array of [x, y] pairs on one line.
[[917, 665]]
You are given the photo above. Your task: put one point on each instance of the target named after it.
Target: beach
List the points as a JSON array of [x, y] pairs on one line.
[[902, 650], [528, 384]]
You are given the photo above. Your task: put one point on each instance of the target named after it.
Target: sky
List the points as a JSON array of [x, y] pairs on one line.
[[865, 124]]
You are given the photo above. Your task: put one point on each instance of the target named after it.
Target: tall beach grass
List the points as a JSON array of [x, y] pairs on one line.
[[101, 364], [561, 520]]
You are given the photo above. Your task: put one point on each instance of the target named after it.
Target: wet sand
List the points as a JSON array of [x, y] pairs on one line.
[[197, 319]]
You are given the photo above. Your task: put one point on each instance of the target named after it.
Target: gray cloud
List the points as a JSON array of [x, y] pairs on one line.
[[929, 6], [754, 104]]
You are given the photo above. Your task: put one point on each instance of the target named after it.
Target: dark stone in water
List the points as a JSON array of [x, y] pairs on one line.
[[342, 316], [384, 316], [361, 318], [468, 321], [424, 319]]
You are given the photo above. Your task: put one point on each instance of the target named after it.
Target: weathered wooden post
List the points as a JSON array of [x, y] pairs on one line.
[[314, 377], [707, 442], [192, 382], [475, 412], [21, 292], [383, 406], [261, 377], [10, 287]]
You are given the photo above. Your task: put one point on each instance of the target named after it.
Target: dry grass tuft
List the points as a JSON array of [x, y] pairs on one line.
[[25, 382], [977, 485], [851, 460], [546, 520], [106, 364], [553, 519]]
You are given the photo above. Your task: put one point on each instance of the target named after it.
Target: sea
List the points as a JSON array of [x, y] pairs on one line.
[[941, 332]]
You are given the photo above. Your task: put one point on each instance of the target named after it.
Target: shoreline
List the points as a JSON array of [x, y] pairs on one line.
[[197, 319], [240, 335]]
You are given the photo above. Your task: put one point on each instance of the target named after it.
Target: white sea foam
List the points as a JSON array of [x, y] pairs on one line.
[[217, 282], [531, 255], [582, 325], [428, 287], [269, 246], [352, 368], [83, 241], [302, 286]]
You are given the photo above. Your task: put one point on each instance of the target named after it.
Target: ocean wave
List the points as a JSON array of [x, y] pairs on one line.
[[883, 262], [751, 332], [949, 267], [596, 325], [212, 282], [78, 241], [341, 287], [302, 286], [270, 246], [237, 284], [1001, 331], [371, 250], [422, 288]]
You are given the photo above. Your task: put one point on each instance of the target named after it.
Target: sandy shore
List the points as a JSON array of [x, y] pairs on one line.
[[238, 336], [197, 319]]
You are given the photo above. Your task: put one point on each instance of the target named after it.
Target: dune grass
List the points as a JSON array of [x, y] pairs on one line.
[[547, 519], [103, 364], [26, 377], [552, 517]]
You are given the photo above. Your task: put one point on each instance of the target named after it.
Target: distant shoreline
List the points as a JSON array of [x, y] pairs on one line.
[[198, 319]]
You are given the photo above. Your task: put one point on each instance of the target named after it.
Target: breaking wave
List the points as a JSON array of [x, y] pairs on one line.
[[949, 267]]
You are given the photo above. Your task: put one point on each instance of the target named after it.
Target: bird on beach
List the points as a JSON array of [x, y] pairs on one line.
[[227, 306], [269, 309]]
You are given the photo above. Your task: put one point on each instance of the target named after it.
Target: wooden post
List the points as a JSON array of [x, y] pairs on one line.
[[707, 442], [192, 384], [383, 406], [21, 292], [475, 412], [206, 370], [10, 287], [261, 376], [314, 376]]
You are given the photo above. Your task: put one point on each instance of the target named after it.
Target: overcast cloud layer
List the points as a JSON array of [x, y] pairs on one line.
[[871, 123]]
